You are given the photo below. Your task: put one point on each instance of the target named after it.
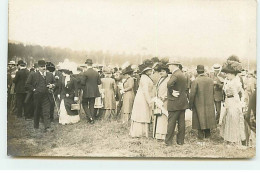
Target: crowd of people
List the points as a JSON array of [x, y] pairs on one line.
[[150, 98]]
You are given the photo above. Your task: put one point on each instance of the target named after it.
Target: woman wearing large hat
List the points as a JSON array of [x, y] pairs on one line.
[[143, 105], [233, 128], [161, 119], [69, 87], [128, 95]]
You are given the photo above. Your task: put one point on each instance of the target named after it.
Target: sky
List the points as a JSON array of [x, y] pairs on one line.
[[194, 28]]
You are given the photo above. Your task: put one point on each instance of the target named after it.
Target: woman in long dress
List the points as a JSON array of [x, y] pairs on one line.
[[69, 89], [233, 127], [161, 122], [108, 89], [143, 104], [128, 94]]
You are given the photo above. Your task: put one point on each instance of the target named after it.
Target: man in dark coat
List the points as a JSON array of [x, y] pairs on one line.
[[29, 96], [177, 104], [202, 104], [41, 82], [50, 67], [19, 80], [90, 80], [218, 79]]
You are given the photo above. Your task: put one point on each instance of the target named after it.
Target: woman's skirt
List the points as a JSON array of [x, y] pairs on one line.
[[67, 116], [161, 127], [139, 129], [233, 127]]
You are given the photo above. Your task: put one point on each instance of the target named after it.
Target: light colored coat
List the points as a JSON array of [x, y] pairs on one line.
[[109, 86], [141, 111], [161, 92]]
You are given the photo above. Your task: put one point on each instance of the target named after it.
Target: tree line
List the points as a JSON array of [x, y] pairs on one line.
[[33, 53]]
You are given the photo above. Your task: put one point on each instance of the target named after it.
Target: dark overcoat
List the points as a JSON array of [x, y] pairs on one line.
[[70, 89], [20, 79], [90, 80], [202, 103], [34, 85], [177, 82]]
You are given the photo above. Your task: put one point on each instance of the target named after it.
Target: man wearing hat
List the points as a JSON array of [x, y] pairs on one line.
[[41, 83], [202, 104], [19, 81], [177, 104], [218, 80], [90, 80]]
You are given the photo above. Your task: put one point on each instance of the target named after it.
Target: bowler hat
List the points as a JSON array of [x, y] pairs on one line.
[[200, 68], [21, 63], [89, 61], [41, 63]]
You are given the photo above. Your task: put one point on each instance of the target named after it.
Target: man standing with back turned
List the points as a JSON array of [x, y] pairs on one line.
[[90, 81], [202, 104], [177, 104]]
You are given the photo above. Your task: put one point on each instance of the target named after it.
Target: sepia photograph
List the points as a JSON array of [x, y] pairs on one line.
[[130, 79]]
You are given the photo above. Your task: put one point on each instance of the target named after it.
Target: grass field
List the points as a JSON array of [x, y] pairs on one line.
[[111, 139]]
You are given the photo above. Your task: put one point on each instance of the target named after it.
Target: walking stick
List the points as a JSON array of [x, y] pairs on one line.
[[155, 126], [55, 103]]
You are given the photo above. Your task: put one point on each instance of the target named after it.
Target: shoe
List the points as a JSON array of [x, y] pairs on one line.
[[91, 121], [180, 143]]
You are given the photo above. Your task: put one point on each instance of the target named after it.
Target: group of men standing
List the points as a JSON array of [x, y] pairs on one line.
[[40, 87], [205, 92]]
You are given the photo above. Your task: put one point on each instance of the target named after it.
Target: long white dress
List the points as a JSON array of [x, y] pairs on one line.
[[68, 116], [233, 127], [142, 112]]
